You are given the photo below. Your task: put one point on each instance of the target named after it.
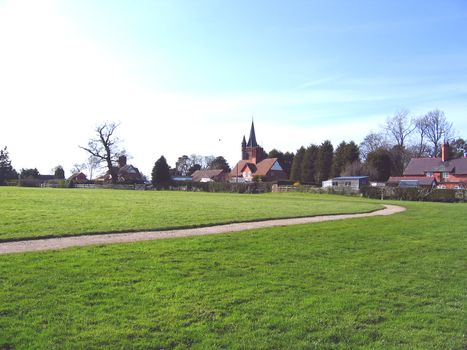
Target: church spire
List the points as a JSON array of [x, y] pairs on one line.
[[244, 141], [252, 140]]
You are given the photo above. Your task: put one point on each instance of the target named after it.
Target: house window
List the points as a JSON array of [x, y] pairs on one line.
[[445, 174], [347, 183], [334, 183], [429, 173]]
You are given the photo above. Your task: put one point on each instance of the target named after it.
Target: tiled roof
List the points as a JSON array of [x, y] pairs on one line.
[[260, 169], [422, 180], [206, 174], [263, 167], [419, 166], [237, 169]]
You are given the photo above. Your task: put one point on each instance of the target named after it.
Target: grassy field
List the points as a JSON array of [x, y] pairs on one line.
[[36, 212], [374, 283]]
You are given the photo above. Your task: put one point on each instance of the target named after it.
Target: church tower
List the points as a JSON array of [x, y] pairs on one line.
[[244, 154], [251, 151]]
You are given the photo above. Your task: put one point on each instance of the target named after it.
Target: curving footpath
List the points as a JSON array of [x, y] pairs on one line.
[[80, 241]]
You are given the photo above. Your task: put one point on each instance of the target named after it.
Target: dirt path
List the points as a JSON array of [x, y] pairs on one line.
[[79, 241]]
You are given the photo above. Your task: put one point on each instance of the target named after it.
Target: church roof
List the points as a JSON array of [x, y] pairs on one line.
[[252, 140], [265, 166], [261, 169]]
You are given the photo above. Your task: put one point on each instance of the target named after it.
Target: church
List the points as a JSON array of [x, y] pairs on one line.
[[255, 163]]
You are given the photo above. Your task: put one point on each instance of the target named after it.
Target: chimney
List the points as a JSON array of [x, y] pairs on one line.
[[121, 161], [444, 152]]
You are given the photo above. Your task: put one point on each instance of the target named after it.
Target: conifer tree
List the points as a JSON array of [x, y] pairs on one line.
[[309, 164], [160, 175], [6, 170], [296, 169], [323, 165]]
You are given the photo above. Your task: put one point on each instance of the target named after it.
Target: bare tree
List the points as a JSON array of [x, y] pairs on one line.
[[420, 148], [371, 143], [353, 169], [399, 127], [90, 166], [436, 129], [104, 148], [183, 165]]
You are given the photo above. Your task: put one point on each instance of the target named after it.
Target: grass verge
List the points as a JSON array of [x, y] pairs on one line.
[[373, 283], [28, 213]]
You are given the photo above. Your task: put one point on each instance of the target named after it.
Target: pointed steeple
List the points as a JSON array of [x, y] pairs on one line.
[[244, 142], [252, 140]]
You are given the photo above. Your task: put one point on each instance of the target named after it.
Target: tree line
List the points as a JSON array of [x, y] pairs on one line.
[[8, 173], [382, 153]]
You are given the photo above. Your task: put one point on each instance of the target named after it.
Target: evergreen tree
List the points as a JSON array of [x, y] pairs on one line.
[[29, 173], [324, 159], [160, 173], [219, 163], [6, 170], [309, 164], [457, 148], [296, 169], [345, 154], [379, 164], [59, 173]]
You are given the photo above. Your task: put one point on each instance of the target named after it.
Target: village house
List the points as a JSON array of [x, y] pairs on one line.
[[441, 172], [255, 164], [214, 175], [78, 178], [126, 173]]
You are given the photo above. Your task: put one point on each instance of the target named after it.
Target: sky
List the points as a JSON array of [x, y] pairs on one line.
[[187, 77]]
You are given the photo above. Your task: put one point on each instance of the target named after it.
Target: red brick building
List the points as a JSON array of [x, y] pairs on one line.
[[255, 163], [448, 173]]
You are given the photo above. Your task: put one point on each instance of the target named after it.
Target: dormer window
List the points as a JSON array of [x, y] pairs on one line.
[[445, 174], [429, 173]]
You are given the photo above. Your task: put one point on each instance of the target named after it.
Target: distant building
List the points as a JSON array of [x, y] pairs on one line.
[[126, 173], [347, 182], [448, 173], [255, 164], [78, 178], [214, 175], [412, 181]]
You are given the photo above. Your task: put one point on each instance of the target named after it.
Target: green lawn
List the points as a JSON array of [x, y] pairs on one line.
[[375, 283], [36, 212]]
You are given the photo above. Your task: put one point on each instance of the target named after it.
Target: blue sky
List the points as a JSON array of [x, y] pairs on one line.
[[186, 77]]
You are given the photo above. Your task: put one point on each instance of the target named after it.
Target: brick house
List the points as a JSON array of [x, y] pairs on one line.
[[447, 173]]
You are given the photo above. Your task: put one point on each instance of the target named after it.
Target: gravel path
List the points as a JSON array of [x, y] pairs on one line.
[[79, 241]]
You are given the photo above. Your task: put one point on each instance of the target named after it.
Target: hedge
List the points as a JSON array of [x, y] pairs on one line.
[[416, 194]]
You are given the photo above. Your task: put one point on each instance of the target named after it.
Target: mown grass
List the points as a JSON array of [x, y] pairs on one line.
[[32, 213], [374, 283]]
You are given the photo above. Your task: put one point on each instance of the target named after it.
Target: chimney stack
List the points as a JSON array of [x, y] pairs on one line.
[[444, 152], [121, 161]]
